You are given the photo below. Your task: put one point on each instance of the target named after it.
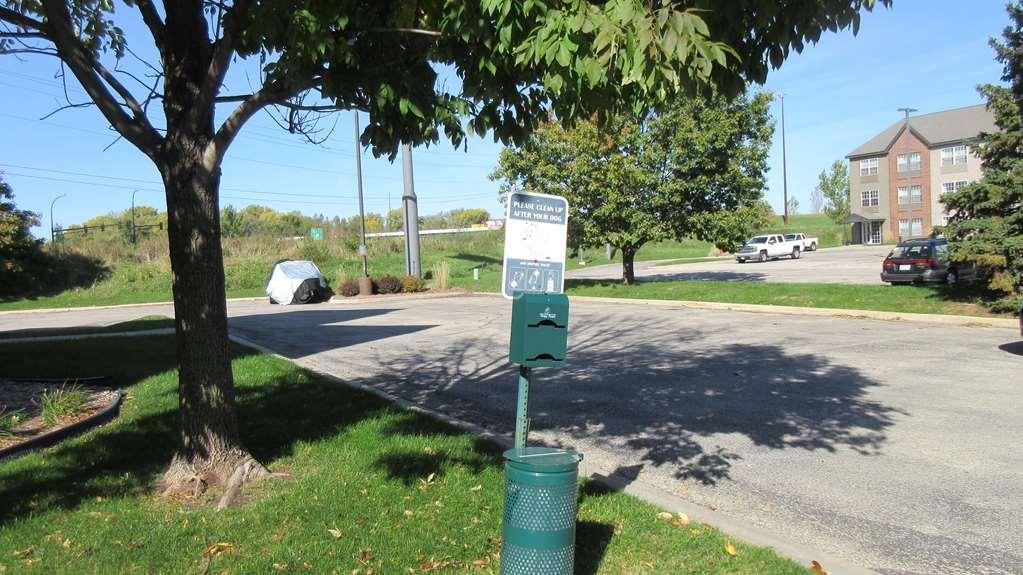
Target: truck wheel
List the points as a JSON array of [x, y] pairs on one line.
[[762, 257], [952, 278], [795, 253], [813, 247]]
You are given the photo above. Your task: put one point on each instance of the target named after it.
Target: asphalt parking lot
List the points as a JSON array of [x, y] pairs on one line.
[[849, 265], [889, 445]]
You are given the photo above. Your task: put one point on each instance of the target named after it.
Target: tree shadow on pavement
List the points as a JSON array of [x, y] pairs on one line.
[[667, 399]]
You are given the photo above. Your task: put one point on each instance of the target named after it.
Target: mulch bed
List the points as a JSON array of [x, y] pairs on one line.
[[24, 396]]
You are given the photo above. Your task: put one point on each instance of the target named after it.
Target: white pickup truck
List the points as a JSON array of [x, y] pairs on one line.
[[809, 244], [770, 246]]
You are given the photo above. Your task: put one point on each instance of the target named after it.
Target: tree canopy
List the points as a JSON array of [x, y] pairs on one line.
[[677, 175], [986, 217], [17, 246]]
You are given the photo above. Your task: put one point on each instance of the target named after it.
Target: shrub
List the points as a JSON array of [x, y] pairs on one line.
[[8, 421], [389, 284], [62, 402], [350, 288], [440, 272], [412, 284]]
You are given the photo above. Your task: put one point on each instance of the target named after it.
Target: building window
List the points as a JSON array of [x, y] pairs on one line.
[[870, 198], [868, 167], [918, 228], [915, 193], [914, 162], [953, 186], [953, 156]]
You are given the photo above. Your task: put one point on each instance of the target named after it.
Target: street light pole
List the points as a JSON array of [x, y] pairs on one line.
[[365, 285], [134, 240], [53, 230], [909, 179], [784, 161], [410, 211]]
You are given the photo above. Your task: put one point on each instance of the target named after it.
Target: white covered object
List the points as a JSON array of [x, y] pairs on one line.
[[287, 276]]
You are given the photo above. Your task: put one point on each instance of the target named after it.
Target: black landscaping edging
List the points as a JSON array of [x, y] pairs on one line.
[[56, 436]]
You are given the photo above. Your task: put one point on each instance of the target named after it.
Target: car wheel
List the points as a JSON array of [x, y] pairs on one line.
[[762, 257], [813, 247], [795, 253], [740, 260], [951, 278]]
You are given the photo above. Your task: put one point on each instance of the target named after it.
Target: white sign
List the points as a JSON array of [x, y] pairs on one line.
[[535, 236]]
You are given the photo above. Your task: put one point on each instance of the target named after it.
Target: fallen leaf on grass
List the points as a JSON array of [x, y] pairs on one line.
[[730, 549], [665, 516], [280, 566], [364, 556], [335, 532], [477, 488], [26, 552], [218, 548], [817, 568]]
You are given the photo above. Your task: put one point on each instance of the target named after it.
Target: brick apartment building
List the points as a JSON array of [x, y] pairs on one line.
[[894, 195]]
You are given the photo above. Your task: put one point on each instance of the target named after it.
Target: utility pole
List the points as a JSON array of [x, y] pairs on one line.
[[134, 240], [365, 285], [909, 178], [53, 230], [410, 213], [784, 161]]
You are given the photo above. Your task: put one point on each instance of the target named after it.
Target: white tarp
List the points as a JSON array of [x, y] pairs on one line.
[[287, 276]]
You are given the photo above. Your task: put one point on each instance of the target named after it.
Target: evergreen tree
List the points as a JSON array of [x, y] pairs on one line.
[[986, 218]]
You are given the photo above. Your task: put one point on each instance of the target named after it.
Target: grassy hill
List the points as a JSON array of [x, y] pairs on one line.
[[126, 274]]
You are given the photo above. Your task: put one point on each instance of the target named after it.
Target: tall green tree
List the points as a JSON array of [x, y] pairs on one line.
[[516, 62], [986, 217], [17, 246], [629, 182], [833, 185]]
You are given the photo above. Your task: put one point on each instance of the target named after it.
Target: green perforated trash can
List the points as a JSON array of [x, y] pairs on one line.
[[539, 511]]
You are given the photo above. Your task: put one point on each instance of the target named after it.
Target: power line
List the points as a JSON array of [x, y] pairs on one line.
[[453, 197], [266, 138]]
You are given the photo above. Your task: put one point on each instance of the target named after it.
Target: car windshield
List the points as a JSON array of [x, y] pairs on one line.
[[758, 240], [911, 251], [789, 237]]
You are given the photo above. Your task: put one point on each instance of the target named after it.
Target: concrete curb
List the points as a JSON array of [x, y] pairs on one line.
[[77, 336], [958, 320], [637, 488], [116, 306]]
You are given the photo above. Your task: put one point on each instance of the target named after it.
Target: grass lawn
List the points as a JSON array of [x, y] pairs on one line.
[[141, 324], [373, 489], [909, 299]]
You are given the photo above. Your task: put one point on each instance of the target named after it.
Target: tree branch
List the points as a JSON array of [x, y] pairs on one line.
[[222, 51], [22, 35], [20, 20], [268, 94], [89, 72], [421, 31], [153, 21]]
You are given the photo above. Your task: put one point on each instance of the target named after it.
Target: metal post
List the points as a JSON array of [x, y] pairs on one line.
[[784, 162], [909, 179], [365, 285], [410, 213], [522, 408], [53, 230], [133, 238]]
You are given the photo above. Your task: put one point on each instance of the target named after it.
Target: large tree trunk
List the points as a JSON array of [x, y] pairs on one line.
[[211, 450], [629, 264]]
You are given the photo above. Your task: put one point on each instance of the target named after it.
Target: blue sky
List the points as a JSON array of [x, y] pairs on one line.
[[926, 54]]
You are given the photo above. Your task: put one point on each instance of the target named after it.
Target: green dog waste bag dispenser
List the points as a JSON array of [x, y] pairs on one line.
[[538, 535]]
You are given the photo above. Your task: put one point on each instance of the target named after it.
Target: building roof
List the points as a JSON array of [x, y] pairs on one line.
[[934, 129]]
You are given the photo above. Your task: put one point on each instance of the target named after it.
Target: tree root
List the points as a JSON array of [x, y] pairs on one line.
[[191, 480]]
